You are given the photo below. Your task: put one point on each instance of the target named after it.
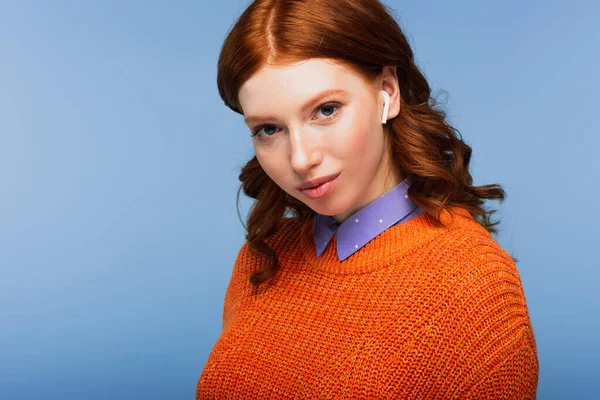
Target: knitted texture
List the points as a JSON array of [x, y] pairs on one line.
[[420, 312]]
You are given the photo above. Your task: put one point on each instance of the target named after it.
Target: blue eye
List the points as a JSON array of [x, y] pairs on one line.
[[328, 106], [333, 111]]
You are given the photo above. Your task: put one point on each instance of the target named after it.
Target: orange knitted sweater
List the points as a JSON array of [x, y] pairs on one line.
[[420, 312]]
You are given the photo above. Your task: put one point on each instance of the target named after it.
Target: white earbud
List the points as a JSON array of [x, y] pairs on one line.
[[386, 107]]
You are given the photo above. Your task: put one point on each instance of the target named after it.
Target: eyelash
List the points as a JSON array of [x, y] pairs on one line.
[[327, 118]]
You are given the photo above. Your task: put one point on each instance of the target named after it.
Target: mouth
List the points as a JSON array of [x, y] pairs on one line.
[[317, 182], [321, 190]]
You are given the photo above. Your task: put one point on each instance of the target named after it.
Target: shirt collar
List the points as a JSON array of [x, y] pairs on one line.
[[365, 224]]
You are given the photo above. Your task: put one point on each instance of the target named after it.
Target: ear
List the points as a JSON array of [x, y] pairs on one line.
[[389, 83]]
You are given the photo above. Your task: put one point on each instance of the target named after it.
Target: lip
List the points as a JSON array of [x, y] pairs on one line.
[[313, 183], [321, 190]]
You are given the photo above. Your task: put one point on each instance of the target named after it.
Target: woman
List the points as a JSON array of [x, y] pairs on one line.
[[369, 269]]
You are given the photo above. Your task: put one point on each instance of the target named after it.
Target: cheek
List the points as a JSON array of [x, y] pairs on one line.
[[354, 139], [266, 160], [271, 163]]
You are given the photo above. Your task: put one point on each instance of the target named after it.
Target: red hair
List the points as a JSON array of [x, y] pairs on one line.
[[363, 35]]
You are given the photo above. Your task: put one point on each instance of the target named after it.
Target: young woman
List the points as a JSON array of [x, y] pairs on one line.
[[369, 270]]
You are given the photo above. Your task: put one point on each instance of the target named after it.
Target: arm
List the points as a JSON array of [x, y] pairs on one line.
[[515, 377], [498, 336], [239, 285]]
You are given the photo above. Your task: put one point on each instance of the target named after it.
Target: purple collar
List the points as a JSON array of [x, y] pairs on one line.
[[392, 208]]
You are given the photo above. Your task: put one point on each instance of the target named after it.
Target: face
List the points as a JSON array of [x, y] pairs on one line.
[[318, 118]]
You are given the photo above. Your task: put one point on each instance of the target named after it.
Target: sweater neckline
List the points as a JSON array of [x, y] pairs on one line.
[[385, 249]]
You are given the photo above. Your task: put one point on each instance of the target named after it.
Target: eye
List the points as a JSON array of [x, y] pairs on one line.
[[331, 107], [271, 128], [330, 111]]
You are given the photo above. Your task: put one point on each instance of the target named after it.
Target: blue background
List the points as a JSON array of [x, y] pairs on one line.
[[118, 176]]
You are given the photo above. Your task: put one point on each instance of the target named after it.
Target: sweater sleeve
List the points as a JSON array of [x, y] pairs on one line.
[[515, 377], [497, 339], [239, 285]]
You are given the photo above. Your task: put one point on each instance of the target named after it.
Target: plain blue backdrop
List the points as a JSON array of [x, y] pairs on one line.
[[118, 177]]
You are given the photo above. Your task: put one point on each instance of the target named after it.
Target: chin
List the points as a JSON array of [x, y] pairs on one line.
[[332, 209]]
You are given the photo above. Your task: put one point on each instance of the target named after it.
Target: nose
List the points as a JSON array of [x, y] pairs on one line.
[[305, 152]]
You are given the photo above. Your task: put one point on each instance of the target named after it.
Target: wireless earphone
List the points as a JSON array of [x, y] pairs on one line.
[[386, 107]]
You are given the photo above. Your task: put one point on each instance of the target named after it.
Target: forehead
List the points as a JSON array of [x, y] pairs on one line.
[[294, 83]]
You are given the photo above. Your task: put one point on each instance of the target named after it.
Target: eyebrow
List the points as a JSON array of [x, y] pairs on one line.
[[310, 103]]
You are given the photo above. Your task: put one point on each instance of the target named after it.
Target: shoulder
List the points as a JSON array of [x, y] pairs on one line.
[[286, 239], [464, 240], [470, 265], [283, 242], [482, 279], [487, 310], [249, 261], [481, 294]]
